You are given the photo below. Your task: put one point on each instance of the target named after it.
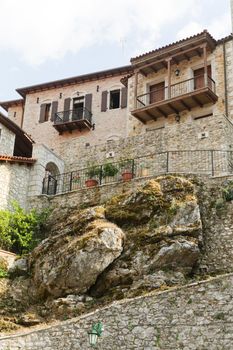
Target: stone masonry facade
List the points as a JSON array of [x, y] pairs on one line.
[[194, 317]]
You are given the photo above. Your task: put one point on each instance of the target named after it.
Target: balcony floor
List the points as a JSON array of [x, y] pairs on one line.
[[72, 125], [175, 105]]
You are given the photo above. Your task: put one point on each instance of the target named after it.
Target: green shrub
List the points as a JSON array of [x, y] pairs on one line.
[[109, 169], [21, 231], [3, 268], [227, 190]]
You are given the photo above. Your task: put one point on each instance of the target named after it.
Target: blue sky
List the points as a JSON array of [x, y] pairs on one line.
[[53, 39]]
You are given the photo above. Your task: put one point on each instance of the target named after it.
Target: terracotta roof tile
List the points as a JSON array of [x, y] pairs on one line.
[[173, 44], [15, 159]]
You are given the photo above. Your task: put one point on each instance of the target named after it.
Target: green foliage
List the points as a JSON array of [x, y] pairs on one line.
[[21, 231], [93, 171], [109, 170], [228, 191], [3, 268]]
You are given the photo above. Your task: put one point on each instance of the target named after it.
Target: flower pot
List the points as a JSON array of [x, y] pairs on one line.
[[127, 175], [91, 183]]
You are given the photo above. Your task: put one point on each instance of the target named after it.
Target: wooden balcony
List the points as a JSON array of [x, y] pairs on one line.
[[179, 97], [77, 119]]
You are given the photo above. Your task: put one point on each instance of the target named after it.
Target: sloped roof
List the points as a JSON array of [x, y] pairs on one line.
[[74, 80], [165, 49], [6, 104]]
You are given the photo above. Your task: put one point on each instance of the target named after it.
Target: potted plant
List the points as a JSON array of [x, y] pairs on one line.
[[127, 169], [109, 171], [144, 169], [91, 175]]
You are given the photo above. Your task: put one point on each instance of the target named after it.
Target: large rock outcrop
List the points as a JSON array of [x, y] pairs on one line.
[[70, 262]]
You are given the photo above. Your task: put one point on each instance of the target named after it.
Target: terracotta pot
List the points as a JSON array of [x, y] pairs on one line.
[[91, 183], [127, 175]]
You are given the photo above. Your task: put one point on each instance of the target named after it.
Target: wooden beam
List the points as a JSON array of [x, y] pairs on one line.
[[161, 112], [153, 69], [197, 101], [198, 52], [151, 115], [187, 57], [142, 72], [175, 60], [139, 118], [185, 105], [173, 109], [164, 64]]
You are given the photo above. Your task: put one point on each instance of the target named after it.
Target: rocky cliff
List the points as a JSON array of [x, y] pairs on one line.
[[136, 242]]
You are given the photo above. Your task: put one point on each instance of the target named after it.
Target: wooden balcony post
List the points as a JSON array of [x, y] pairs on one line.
[[169, 77], [135, 88], [205, 66]]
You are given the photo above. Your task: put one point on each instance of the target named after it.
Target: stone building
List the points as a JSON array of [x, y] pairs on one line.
[[175, 98]]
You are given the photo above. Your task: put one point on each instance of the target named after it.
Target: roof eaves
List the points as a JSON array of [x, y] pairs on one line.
[[169, 46], [73, 80]]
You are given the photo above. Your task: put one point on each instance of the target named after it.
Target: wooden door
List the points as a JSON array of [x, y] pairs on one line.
[[199, 81], [157, 92]]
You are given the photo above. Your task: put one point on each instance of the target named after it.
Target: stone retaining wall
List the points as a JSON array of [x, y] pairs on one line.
[[193, 317]]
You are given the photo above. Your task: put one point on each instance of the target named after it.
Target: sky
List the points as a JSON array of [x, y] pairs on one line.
[[48, 40]]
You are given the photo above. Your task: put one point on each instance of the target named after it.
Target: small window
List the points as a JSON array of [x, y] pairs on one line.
[[114, 101], [47, 111]]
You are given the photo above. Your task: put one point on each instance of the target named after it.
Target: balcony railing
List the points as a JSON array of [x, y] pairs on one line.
[[79, 118], [200, 162], [175, 90], [73, 115]]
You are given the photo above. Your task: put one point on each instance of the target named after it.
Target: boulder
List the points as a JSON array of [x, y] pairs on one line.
[[70, 263], [19, 267]]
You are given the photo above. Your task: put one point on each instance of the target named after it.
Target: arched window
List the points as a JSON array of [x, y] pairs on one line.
[[50, 180]]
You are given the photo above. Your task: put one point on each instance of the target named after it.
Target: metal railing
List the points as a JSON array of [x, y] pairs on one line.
[[178, 89], [73, 115], [206, 162]]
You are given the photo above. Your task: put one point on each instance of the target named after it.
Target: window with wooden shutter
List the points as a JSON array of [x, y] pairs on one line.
[[124, 92], [88, 102], [42, 113], [54, 110], [104, 101], [66, 109]]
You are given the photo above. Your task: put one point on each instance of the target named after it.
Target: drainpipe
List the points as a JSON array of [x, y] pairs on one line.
[[225, 78]]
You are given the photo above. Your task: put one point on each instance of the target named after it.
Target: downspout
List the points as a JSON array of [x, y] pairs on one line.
[[225, 78]]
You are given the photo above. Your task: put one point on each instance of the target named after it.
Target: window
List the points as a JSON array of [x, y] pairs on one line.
[[114, 101], [47, 111]]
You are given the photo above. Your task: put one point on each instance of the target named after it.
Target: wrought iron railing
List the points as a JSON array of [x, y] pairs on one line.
[[178, 89], [206, 162], [73, 115]]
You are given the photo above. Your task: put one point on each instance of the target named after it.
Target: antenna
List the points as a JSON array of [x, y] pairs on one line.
[[123, 42]]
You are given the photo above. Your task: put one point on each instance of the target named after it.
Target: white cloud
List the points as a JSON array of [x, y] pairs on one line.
[[217, 27], [49, 29]]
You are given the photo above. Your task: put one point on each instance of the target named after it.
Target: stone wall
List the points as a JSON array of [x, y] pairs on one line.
[[229, 74], [194, 317], [14, 179], [186, 135], [7, 141], [15, 113], [44, 157]]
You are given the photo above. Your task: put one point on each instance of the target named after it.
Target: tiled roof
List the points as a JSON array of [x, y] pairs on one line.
[[169, 46], [14, 159], [74, 80], [7, 104]]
